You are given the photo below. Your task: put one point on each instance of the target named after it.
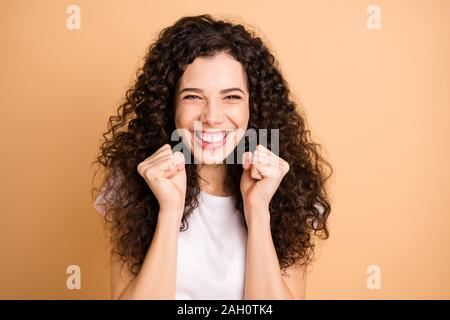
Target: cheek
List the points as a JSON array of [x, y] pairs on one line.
[[183, 117], [241, 117]]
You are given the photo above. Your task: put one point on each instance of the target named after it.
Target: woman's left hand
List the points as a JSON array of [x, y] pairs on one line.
[[263, 172]]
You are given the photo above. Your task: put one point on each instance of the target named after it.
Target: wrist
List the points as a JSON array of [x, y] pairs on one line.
[[170, 217], [250, 208], [257, 216]]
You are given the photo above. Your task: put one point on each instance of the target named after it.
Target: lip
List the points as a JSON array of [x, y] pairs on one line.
[[212, 145]]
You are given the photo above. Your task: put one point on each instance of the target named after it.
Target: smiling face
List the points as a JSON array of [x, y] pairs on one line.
[[212, 107]]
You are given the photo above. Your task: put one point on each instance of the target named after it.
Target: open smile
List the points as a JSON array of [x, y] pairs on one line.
[[211, 139]]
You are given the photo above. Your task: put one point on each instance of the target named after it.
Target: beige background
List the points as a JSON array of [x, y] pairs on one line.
[[378, 101]]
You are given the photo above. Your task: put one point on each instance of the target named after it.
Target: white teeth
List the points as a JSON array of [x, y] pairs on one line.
[[211, 137]]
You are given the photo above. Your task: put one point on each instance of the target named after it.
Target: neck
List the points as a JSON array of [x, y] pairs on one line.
[[212, 178]]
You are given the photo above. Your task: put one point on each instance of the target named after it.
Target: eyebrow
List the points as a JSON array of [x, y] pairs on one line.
[[221, 91]]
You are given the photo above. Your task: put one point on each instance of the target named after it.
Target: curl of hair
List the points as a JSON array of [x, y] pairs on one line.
[[145, 121]]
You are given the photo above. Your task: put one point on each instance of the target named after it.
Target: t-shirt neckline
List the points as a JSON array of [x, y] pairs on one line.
[[221, 199]]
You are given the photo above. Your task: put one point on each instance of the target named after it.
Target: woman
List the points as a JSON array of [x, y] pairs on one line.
[[195, 225]]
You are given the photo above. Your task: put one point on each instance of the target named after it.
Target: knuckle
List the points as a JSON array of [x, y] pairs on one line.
[[164, 147], [143, 172], [167, 151], [280, 172], [166, 162], [287, 165]]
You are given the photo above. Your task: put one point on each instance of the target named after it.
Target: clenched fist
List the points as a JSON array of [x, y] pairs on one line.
[[261, 177], [165, 174]]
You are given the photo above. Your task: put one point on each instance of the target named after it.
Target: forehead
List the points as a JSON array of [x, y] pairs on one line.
[[214, 73]]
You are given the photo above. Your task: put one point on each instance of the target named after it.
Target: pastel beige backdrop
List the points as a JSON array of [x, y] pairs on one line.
[[377, 100]]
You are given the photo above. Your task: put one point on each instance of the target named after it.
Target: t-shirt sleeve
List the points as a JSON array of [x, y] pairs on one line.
[[100, 204], [105, 198]]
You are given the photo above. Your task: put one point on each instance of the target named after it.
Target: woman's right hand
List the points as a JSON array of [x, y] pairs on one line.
[[165, 174]]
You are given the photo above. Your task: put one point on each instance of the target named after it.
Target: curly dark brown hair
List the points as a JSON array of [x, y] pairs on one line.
[[145, 121]]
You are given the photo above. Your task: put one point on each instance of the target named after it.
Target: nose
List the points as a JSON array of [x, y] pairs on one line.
[[212, 114]]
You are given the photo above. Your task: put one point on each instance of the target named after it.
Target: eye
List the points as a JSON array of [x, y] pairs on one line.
[[188, 97], [234, 97]]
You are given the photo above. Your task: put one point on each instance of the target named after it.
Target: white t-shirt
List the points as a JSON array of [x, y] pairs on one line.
[[211, 252]]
